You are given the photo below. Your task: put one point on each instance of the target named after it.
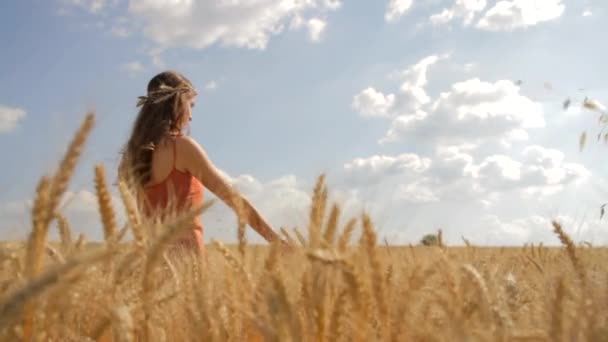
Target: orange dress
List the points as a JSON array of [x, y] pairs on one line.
[[182, 191]]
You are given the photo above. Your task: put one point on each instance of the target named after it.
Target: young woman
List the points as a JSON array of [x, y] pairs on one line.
[[173, 169]]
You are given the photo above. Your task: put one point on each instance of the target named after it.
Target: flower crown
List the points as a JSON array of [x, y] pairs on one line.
[[163, 93]]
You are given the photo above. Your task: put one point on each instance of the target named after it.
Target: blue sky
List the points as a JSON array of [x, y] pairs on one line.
[[412, 107]]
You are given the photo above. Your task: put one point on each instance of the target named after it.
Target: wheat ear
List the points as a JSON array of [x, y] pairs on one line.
[[104, 200], [133, 216]]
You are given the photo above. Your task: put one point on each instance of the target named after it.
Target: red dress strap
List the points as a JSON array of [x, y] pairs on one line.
[[174, 153]]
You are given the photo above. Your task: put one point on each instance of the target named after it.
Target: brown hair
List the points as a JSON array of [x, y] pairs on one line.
[[162, 114]]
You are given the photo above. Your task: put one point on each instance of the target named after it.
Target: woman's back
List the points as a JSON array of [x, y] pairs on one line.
[[172, 189]]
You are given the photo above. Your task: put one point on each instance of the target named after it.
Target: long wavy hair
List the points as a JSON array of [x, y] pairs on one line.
[[163, 114]]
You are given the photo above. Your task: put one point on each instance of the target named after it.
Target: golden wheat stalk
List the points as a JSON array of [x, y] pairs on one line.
[[36, 244], [370, 243], [67, 166], [133, 216], [339, 317], [242, 239], [317, 212], [233, 261], [80, 243], [557, 325], [55, 254], [359, 293], [332, 225], [38, 235], [347, 232], [571, 249], [65, 233], [482, 290], [288, 236], [104, 201], [300, 237]]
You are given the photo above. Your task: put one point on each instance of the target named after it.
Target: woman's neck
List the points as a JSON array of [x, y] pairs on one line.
[[175, 133]]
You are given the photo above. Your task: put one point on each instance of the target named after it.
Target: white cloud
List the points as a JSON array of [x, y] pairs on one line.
[[407, 177], [199, 24], [408, 190], [10, 118], [468, 155], [122, 26], [296, 22], [416, 193], [537, 171], [416, 75], [453, 162], [499, 172], [316, 27], [468, 67], [156, 56], [370, 102], [536, 229], [465, 9], [375, 168], [587, 13], [411, 96], [211, 85], [464, 186], [505, 15], [508, 233], [461, 172], [508, 15], [472, 111], [133, 68], [81, 201], [396, 9], [92, 6], [412, 92], [119, 31], [548, 164]]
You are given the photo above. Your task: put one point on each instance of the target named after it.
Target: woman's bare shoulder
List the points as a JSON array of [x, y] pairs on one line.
[[187, 143], [196, 161], [190, 148]]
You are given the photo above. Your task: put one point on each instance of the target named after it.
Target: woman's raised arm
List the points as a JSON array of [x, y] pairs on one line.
[[196, 161]]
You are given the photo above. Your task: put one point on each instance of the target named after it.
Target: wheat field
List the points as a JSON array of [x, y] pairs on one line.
[[336, 283]]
